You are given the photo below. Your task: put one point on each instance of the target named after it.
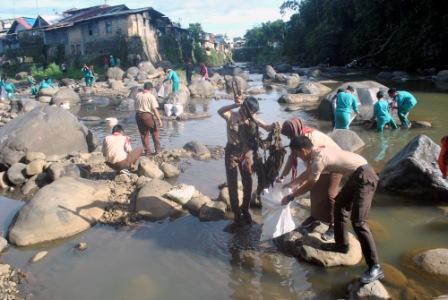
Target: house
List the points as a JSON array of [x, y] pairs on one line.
[[10, 40], [208, 41], [93, 32], [222, 42]]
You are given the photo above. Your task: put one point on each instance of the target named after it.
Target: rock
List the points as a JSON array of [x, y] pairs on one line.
[[64, 95], [312, 88], [365, 91], [385, 75], [374, 290], [116, 85], [35, 167], [81, 246], [201, 89], [256, 90], [218, 81], [298, 98], [38, 256], [60, 210], [4, 270], [180, 97], [281, 78], [30, 187], [434, 261], [413, 171], [141, 181], [21, 75], [69, 82], [30, 156], [147, 67], [212, 211], [16, 174], [150, 201], [115, 73], [400, 76], [393, 276], [45, 99], [3, 181], [149, 168], [141, 77], [224, 196], [283, 68], [181, 193], [196, 202], [442, 297], [442, 76], [346, 139], [48, 92], [3, 244], [310, 251], [198, 150], [60, 132], [270, 72], [421, 124], [293, 81], [132, 72], [57, 170], [169, 170], [27, 105]]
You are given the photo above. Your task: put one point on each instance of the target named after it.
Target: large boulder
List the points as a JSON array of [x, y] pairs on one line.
[[181, 193], [347, 139], [298, 98], [413, 172], [293, 81], [16, 174], [27, 105], [365, 91], [269, 72], [374, 290], [151, 203], [237, 82], [149, 168], [66, 94], [132, 72], [60, 210], [147, 67], [199, 150], [115, 73], [434, 261], [442, 76], [312, 88], [201, 89], [141, 77], [180, 97], [212, 211], [49, 92], [50, 130]]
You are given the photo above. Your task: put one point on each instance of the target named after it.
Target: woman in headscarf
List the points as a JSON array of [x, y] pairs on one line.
[[443, 157], [325, 190]]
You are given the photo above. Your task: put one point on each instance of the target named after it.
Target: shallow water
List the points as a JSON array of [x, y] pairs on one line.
[[187, 259]]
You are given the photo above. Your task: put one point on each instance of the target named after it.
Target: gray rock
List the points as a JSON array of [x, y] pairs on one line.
[[385, 75], [365, 91], [434, 261], [16, 174], [212, 211], [201, 89], [68, 82], [283, 68], [293, 81], [3, 181], [30, 156], [281, 78], [115, 73], [39, 256], [413, 171], [57, 170], [199, 150], [27, 105], [152, 205], [442, 76], [116, 84], [312, 88], [59, 210], [35, 167], [347, 139], [169, 170], [45, 99], [30, 187], [64, 95], [132, 72], [270, 72], [59, 133], [298, 98], [48, 92], [441, 297], [147, 67], [3, 244], [374, 290], [81, 246], [181, 193], [149, 168], [224, 196], [141, 77], [197, 201]]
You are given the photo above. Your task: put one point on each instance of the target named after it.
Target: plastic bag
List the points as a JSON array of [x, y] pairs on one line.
[[161, 92], [277, 219]]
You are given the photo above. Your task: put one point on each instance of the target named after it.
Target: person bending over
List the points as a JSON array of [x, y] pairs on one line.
[[345, 103], [381, 113], [405, 102]]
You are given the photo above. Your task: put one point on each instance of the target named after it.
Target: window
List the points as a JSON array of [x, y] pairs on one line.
[[108, 26], [144, 22], [90, 29]]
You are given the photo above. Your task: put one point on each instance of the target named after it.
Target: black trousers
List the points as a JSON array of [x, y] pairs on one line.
[[355, 199]]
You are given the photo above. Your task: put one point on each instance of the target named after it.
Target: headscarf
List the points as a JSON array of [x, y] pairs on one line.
[[443, 156]]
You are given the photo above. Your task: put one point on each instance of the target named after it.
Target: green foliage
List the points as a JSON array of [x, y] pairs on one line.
[[196, 32], [406, 34], [171, 49], [52, 71]]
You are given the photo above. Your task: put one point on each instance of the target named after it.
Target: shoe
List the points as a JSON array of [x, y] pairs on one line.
[[333, 247], [307, 223], [373, 273], [246, 217], [328, 235]]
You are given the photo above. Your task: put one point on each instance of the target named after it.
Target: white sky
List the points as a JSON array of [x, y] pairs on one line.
[[233, 17]]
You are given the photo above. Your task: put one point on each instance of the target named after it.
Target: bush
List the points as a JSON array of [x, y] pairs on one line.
[[52, 71]]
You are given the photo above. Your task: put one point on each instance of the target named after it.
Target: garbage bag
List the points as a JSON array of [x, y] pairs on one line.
[[277, 219]]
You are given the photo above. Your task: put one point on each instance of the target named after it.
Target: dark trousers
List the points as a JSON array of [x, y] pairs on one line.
[[236, 160], [356, 198], [323, 196], [147, 126]]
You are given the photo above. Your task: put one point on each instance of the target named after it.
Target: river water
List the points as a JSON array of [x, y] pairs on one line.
[[188, 259]]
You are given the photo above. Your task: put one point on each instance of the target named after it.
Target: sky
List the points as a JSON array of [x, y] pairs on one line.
[[233, 17]]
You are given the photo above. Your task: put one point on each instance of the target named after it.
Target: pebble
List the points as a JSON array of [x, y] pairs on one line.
[[81, 246], [38, 256]]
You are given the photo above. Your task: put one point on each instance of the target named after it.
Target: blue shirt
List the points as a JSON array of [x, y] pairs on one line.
[[404, 98], [345, 102], [381, 109]]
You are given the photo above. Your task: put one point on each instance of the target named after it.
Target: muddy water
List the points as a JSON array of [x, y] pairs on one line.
[[187, 259]]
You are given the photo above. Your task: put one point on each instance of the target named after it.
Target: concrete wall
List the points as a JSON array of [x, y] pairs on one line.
[[139, 26]]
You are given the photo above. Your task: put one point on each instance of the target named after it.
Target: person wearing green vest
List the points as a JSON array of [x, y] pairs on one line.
[[345, 103], [172, 75], [405, 102], [381, 113], [10, 89], [88, 75]]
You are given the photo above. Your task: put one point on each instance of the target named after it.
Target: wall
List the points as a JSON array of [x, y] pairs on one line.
[[139, 26]]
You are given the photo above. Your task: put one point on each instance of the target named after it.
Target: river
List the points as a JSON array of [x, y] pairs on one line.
[[188, 259]]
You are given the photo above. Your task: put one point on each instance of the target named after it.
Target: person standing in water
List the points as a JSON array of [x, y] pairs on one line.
[[172, 75], [354, 199], [148, 118], [238, 155], [325, 190], [381, 113], [405, 102], [188, 71], [345, 103]]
